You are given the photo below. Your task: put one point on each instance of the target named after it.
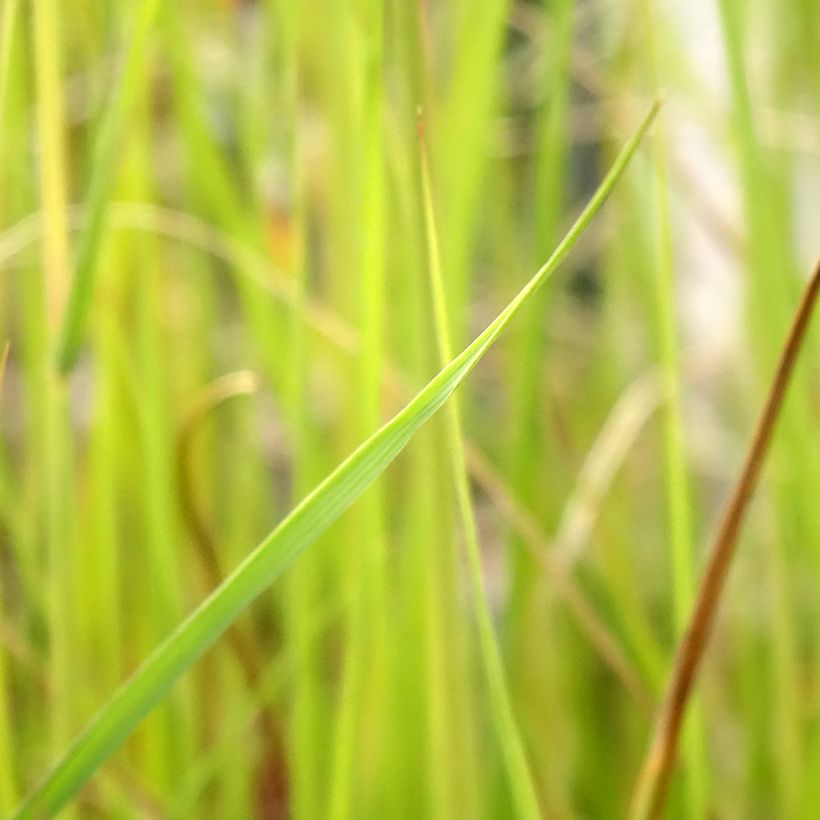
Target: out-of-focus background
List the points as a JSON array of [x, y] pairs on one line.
[[241, 182]]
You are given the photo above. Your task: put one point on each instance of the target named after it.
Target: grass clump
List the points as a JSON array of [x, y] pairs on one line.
[[227, 259]]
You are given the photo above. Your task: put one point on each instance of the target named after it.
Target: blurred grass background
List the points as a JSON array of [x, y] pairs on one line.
[[243, 178]]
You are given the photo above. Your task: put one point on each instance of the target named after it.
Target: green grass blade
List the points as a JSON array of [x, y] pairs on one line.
[[678, 494], [306, 522], [512, 745], [106, 154]]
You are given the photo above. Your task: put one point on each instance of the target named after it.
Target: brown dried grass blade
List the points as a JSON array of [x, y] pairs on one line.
[[653, 782]]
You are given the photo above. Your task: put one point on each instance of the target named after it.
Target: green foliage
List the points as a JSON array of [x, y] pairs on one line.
[[193, 191]]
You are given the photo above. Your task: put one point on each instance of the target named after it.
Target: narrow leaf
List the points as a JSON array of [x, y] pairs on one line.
[[152, 681], [106, 156], [653, 782], [513, 749]]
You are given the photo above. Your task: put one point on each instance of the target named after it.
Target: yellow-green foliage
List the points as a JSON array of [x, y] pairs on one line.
[[238, 243]]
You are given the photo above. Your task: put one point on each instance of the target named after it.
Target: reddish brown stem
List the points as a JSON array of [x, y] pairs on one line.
[[272, 778], [656, 773]]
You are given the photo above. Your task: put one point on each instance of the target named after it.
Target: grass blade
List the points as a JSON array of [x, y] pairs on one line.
[[657, 769], [149, 684], [512, 745], [106, 155]]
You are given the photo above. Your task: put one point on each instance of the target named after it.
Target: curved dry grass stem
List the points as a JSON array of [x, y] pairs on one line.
[[653, 782], [272, 786], [578, 605], [220, 390], [605, 457]]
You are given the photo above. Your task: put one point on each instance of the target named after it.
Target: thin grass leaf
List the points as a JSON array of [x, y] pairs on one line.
[[678, 494], [104, 163], [313, 516], [656, 773], [513, 750]]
